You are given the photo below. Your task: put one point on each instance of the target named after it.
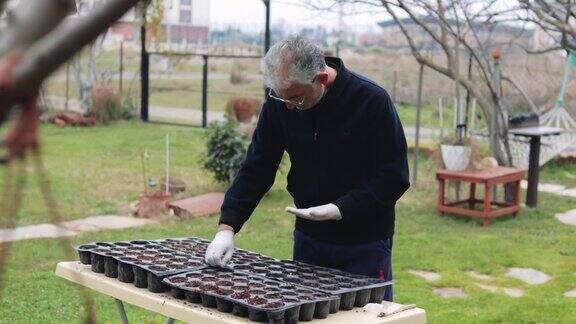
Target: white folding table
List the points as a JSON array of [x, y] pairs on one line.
[[176, 309]]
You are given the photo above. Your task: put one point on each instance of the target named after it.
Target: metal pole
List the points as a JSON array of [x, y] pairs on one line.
[[468, 96], [458, 103], [533, 165], [340, 27], [493, 120], [204, 90], [418, 111], [395, 79], [121, 311], [441, 112], [144, 71], [267, 35], [67, 86], [267, 32], [121, 78]]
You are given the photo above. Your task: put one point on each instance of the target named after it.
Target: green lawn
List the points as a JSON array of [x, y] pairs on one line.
[[97, 170], [559, 173], [185, 94]]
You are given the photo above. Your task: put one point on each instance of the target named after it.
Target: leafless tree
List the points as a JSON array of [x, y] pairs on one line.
[[556, 19], [86, 72], [458, 29]]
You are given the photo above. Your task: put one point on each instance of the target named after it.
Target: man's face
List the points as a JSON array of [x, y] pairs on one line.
[[304, 96]]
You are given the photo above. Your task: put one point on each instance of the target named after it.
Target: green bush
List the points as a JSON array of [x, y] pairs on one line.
[[225, 150]]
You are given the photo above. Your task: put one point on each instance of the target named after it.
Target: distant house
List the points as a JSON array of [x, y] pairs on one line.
[[184, 22], [392, 36]]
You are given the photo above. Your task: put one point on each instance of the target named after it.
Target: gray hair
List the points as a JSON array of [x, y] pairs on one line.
[[292, 60]]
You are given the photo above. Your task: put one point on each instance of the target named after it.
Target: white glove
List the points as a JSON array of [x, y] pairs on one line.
[[220, 251], [318, 213]]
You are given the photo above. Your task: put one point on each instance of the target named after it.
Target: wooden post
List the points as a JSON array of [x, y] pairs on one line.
[[67, 86], [120, 77], [441, 112], [473, 115], [418, 113], [394, 80]]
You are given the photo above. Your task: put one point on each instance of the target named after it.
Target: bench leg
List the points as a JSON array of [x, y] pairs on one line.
[[121, 312], [487, 205], [441, 199], [472, 198]]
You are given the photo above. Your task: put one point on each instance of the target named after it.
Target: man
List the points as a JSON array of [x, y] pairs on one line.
[[348, 163]]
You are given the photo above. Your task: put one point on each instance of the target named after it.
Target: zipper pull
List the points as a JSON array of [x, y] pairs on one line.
[[315, 135]]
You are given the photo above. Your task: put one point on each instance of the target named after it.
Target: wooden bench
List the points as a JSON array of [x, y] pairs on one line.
[[489, 178]]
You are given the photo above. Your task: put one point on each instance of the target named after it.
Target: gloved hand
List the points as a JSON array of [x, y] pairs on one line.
[[220, 251], [318, 213]]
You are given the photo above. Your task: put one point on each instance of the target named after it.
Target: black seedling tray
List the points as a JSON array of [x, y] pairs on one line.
[[243, 258], [198, 246], [147, 263], [142, 263], [354, 290], [251, 296], [192, 245]]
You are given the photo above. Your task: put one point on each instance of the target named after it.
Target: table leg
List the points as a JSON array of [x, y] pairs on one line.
[[516, 196], [487, 205], [441, 195], [121, 311], [533, 172], [472, 199]]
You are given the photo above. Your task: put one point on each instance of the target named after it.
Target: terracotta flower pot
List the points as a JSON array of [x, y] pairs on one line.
[[243, 111], [175, 186], [152, 205]]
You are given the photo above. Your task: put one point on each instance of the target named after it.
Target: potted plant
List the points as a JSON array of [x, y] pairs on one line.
[[456, 153]]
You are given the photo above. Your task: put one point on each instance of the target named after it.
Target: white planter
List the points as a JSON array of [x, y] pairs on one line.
[[455, 157]]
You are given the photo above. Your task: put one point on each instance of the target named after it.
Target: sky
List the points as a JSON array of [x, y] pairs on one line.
[[250, 15]]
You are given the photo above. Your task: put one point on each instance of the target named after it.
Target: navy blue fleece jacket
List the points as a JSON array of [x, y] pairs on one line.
[[349, 150]]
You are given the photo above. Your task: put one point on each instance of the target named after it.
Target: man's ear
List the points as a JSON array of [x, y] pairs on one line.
[[323, 77]]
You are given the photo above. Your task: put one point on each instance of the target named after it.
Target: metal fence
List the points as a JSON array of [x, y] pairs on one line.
[[195, 89]]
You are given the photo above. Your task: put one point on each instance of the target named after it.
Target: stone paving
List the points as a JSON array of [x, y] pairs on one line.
[[426, 275], [526, 275], [71, 228], [450, 292], [33, 232], [552, 189], [568, 218]]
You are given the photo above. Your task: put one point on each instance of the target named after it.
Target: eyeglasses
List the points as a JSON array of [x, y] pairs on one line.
[[298, 104]]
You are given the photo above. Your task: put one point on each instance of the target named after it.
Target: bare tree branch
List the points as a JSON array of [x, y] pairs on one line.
[[557, 19], [59, 46], [32, 20], [531, 104]]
